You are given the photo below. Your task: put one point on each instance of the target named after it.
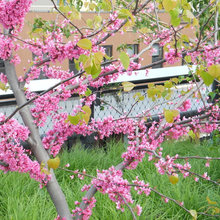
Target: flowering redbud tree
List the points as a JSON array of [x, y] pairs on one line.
[[60, 40]]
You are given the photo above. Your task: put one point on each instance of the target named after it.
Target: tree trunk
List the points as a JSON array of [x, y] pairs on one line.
[[35, 142]]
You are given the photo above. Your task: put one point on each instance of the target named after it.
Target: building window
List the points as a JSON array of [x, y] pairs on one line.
[[42, 74], [2, 66], [157, 55], [72, 66], [108, 52], [133, 49]]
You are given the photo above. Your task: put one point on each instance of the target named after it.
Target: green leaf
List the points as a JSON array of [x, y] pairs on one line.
[[87, 114], [98, 57], [195, 22], [175, 80], [212, 95], [207, 78], [97, 21], [83, 58], [53, 163], [124, 58], [185, 38], [85, 44], [189, 14], [77, 66], [174, 179], [74, 119], [175, 20], [124, 13], [64, 9], [168, 84], [128, 86], [193, 214], [88, 92], [170, 115], [188, 59], [139, 96], [3, 86], [214, 70], [192, 134], [106, 5], [95, 69], [169, 4], [89, 23]]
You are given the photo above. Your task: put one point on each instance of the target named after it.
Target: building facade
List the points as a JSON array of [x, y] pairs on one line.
[[44, 9]]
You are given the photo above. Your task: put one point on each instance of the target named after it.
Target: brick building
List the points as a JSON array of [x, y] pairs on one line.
[[43, 9]]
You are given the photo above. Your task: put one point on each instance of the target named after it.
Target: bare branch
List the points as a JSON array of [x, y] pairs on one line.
[[36, 145], [129, 207], [55, 6], [202, 29], [157, 18], [136, 7], [216, 23], [216, 183], [198, 157]]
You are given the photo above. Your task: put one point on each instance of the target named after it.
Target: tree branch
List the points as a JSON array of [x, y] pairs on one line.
[[129, 207], [67, 18], [36, 145]]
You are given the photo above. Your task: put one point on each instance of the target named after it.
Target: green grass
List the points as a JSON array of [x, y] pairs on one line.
[[22, 199]]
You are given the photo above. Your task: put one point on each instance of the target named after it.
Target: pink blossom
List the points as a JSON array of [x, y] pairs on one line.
[[185, 106], [139, 210]]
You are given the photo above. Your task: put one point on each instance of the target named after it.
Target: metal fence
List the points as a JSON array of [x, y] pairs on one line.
[[121, 103]]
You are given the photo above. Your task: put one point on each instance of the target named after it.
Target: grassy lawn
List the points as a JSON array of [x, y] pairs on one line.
[[22, 199]]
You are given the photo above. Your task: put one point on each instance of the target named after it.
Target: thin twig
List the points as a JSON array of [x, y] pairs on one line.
[[175, 39], [25, 42], [157, 18], [129, 207], [136, 7], [198, 157], [196, 174], [202, 29], [216, 23], [55, 6], [152, 189], [178, 203], [107, 103]]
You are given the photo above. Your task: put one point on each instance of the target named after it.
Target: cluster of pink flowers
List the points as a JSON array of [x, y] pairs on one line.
[[12, 13], [13, 154], [111, 182], [6, 46], [3, 78], [41, 110], [141, 187], [87, 212], [185, 106], [172, 56], [142, 140]]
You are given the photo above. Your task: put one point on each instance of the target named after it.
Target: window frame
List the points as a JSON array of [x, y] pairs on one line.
[[109, 46], [72, 66], [2, 66], [157, 57], [135, 50]]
